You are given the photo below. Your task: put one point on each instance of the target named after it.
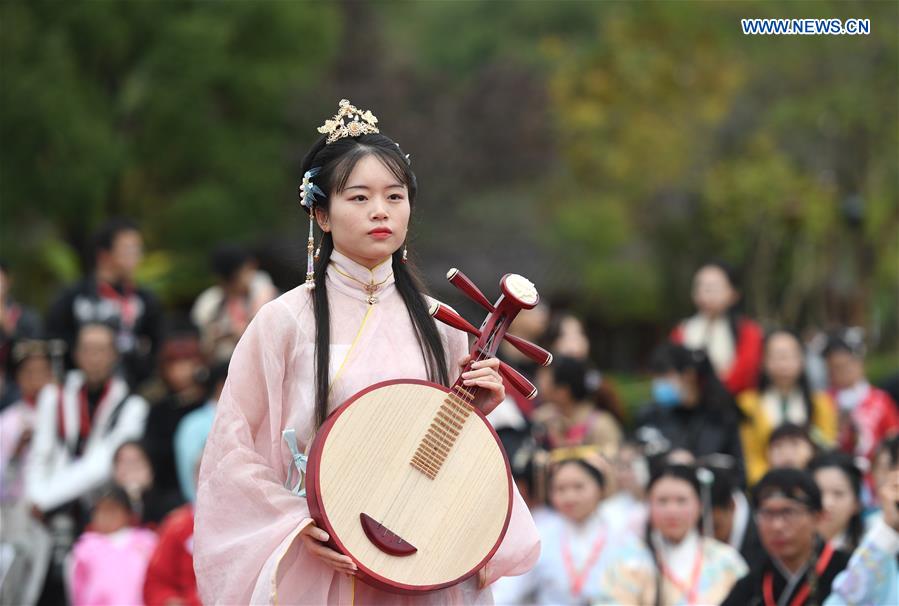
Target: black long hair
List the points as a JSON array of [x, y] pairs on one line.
[[594, 472], [713, 395], [844, 462], [337, 161], [586, 384], [678, 472], [802, 381]]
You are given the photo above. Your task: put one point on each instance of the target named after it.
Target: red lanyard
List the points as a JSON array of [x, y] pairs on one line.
[[577, 578], [691, 590], [768, 582], [126, 303], [86, 420], [85, 417]]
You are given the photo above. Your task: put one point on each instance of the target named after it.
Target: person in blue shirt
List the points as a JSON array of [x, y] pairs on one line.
[[872, 576]]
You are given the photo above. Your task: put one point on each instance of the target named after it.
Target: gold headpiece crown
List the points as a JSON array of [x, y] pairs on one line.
[[349, 121]]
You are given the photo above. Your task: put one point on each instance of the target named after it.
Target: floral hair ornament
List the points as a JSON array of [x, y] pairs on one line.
[[308, 193], [309, 190], [349, 121]]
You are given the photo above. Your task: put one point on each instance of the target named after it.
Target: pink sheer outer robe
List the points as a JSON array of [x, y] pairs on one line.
[[247, 548]]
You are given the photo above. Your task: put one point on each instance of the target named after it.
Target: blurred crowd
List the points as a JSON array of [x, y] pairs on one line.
[[764, 468], [105, 405]]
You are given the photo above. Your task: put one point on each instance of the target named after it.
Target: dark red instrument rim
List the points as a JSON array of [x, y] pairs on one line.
[[316, 511]]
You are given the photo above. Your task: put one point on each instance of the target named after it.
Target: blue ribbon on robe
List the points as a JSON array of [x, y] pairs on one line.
[[299, 461]]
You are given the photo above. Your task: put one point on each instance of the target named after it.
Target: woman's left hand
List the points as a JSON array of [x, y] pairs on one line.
[[484, 374]]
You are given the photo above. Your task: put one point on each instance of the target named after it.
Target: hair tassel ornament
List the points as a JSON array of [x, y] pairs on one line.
[[308, 192]]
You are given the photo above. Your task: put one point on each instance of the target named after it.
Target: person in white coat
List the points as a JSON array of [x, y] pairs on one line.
[[80, 424]]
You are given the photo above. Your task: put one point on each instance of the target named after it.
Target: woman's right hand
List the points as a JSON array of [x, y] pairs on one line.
[[314, 539]]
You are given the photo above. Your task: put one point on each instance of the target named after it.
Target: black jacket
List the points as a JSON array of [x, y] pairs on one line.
[[751, 546], [702, 430], [749, 590], [81, 303], [159, 434]]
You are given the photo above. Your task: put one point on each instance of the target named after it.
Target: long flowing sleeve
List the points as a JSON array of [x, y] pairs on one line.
[[872, 576], [246, 549], [520, 548], [246, 519]]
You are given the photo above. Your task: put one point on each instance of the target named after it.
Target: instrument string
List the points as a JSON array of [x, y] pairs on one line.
[[481, 354]]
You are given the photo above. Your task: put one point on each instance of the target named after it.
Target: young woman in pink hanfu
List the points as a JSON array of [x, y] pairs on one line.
[[361, 318]]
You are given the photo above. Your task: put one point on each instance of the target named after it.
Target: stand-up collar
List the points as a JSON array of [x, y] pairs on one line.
[[357, 280]]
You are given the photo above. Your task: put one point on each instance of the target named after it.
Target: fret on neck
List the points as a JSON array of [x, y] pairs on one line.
[[438, 442]]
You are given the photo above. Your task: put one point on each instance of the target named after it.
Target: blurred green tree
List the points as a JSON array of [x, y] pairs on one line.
[[177, 113], [683, 140]]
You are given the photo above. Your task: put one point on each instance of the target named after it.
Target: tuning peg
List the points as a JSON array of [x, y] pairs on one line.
[[534, 352], [447, 316], [463, 283], [517, 381]]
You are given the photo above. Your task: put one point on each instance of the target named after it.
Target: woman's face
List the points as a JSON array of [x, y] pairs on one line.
[[783, 359], [572, 340], [369, 219], [790, 452], [839, 502], [132, 470], [32, 375], [844, 369], [180, 373], [630, 470], [674, 388], [127, 253], [712, 291], [574, 493], [109, 516], [95, 353], [674, 508]]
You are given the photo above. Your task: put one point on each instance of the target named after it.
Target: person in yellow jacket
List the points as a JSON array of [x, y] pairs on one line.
[[783, 396]]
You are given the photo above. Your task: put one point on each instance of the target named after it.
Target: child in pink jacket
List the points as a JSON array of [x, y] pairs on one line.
[[109, 561]]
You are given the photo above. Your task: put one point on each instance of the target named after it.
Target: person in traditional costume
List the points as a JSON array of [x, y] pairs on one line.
[[872, 575], [570, 415], [689, 568], [867, 414], [799, 567], [784, 395], [840, 481], [361, 318], [732, 341], [584, 558]]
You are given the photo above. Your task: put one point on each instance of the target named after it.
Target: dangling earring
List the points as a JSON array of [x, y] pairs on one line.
[[405, 253], [318, 252], [310, 246]]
